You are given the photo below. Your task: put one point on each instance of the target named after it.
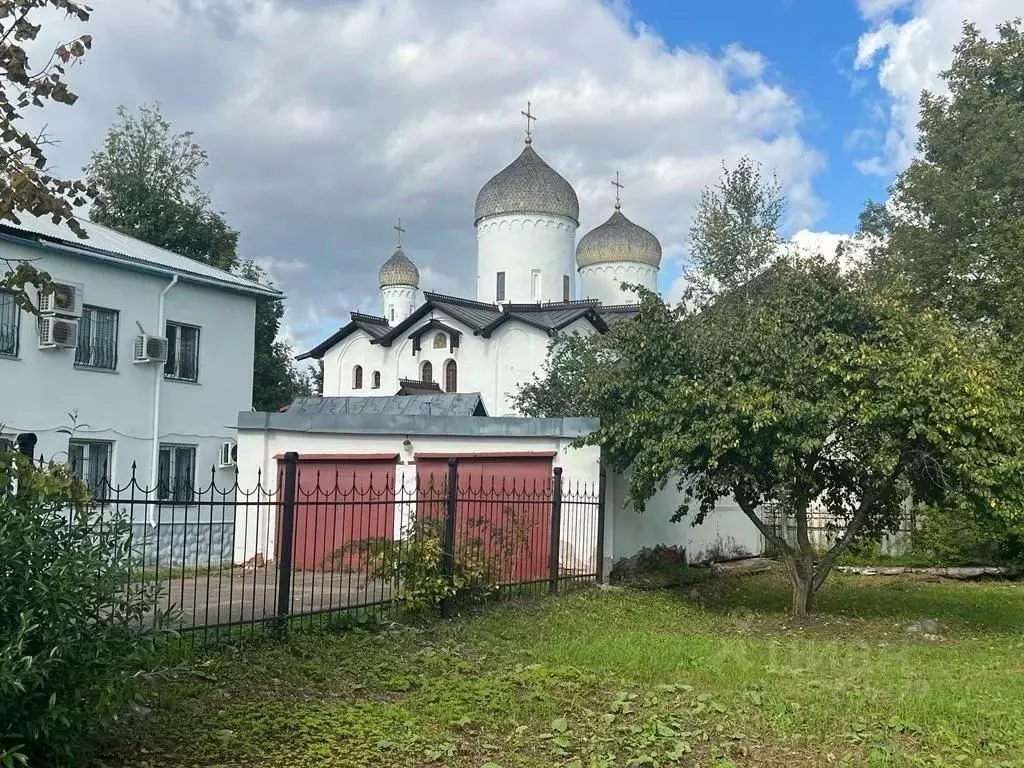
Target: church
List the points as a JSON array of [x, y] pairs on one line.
[[533, 282]]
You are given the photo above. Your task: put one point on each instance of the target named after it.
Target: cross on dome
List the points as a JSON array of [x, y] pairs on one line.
[[530, 119], [400, 231], [618, 189]]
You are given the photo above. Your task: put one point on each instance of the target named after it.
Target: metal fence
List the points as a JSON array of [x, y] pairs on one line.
[[311, 543], [824, 529]]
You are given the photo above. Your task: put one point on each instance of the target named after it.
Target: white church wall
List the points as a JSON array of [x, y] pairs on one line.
[[340, 363], [399, 302], [604, 281], [259, 450], [520, 245], [725, 533]]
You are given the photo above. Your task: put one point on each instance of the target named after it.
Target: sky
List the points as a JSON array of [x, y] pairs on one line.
[[326, 120]]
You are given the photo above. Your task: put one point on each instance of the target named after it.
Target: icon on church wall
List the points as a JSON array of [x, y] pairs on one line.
[[440, 341]]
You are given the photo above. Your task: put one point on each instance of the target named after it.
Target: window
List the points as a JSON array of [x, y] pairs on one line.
[[427, 372], [565, 288], [182, 352], [499, 289], [376, 380], [451, 376], [10, 317], [357, 377], [535, 284], [97, 338], [440, 341], [90, 462], [392, 314], [176, 473]]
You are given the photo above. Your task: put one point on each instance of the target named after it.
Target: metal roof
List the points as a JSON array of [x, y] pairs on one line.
[[440, 404], [107, 244], [527, 185], [618, 240]]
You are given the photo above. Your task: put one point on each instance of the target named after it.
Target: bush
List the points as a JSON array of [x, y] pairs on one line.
[[75, 631], [954, 536]]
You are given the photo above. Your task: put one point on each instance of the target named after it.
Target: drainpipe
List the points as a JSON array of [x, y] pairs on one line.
[[154, 457]]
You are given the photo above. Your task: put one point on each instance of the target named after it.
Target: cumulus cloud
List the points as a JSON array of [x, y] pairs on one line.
[[328, 119], [907, 46]]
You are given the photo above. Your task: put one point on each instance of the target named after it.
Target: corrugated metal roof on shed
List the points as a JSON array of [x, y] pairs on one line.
[[441, 404]]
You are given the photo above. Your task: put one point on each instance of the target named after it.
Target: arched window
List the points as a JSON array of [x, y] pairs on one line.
[[392, 314], [440, 341], [376, 380], [451, 376], [426, 371], [357, 377]]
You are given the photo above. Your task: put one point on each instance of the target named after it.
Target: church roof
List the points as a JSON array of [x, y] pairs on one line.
[[407, 387], [481, 318], [374, 326], [618, 240], [398, 270], [527, 185], [439, 404]]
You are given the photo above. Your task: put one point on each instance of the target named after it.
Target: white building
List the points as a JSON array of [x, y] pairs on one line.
[[533, 282], [166, 404]]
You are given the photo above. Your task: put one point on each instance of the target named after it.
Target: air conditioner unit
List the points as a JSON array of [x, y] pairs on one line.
[[228, 454], [57, 333], [65, 300], [150, 349]]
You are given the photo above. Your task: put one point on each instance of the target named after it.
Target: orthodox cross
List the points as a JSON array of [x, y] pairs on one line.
[[530, 118], [618, 189], [400, 231]]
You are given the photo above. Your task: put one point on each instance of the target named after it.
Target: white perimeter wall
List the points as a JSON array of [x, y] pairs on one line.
[[255, 525], [726, 532]]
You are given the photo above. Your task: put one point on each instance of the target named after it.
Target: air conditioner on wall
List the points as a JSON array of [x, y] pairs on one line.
[[65, 300], [149, 349], [228, 454], [57, 333]]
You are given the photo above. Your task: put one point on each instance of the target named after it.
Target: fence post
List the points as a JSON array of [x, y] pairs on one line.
[[286, 540], [448, 543], [556, 529], [602, 490]]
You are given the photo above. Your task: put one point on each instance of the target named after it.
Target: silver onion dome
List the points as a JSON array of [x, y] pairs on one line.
[[618, 240], [527, 185], [399, 270]]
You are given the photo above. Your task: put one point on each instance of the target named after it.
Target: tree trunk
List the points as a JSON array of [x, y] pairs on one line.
[[800, 567]]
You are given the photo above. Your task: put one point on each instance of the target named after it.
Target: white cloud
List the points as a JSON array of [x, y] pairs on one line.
[[326, 120], [908, 45]]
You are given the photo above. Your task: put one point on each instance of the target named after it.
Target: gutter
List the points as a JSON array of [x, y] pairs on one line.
[[154, 457]]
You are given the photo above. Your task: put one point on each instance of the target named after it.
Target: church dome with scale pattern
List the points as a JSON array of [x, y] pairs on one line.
[[528, 185], [618, 240], [399, 270]]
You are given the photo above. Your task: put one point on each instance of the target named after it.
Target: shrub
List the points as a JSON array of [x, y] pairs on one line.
[[75, 630], [953, 536]]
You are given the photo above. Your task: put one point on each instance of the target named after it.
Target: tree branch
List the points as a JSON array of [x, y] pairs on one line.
[[750, 511]]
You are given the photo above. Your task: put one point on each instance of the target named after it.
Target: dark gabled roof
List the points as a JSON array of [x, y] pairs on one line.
[[482, 318], [437, 404], [617, 313], [409, 387], [374, 326]]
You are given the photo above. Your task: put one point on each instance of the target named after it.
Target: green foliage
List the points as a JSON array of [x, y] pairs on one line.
[[72, 642], [948, 536], [800, 387], [484, 553], [25, 184], [954, 235]]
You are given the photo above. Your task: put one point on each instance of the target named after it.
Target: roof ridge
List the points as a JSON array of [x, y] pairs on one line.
[[458, 300], [619, 306], [376, 320], [552, 305]]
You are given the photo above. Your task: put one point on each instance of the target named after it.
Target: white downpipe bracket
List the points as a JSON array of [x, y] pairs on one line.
[[154, 456]]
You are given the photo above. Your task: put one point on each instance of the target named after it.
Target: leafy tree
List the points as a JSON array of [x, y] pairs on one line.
[[953, 236], [25, 184], [801, 391], [147, 179], [735, 232]]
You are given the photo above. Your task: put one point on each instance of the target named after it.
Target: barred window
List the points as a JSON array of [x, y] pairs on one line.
[[182, 352], [97, 338], [10, 324], [176, 473], [451, 376], [89, 461]]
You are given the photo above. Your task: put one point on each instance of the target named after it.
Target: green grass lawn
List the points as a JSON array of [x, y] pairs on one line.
[[623, 678]]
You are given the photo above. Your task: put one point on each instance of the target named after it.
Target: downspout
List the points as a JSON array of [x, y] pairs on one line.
[[154, 457]]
